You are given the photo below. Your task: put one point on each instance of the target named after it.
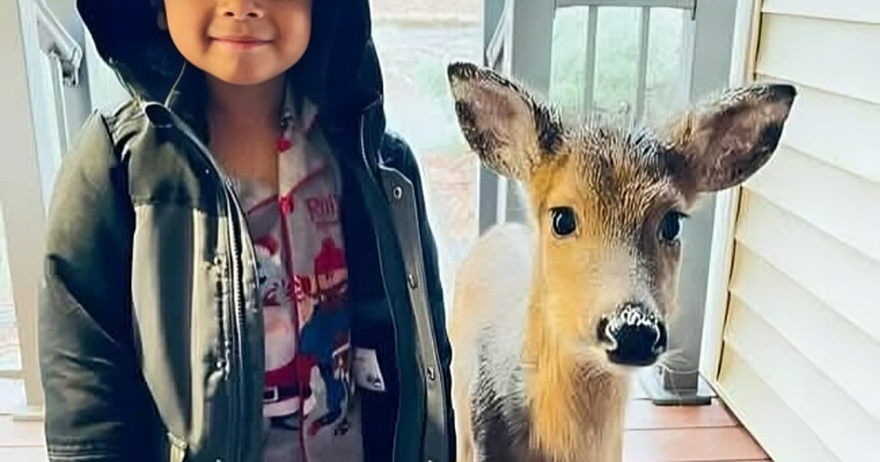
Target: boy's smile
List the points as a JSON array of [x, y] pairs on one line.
[[241, 42]]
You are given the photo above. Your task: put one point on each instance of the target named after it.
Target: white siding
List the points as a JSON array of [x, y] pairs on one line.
[[800, 350]]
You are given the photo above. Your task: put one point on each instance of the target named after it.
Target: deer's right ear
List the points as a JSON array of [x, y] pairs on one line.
[[502, 122], [724, 141]]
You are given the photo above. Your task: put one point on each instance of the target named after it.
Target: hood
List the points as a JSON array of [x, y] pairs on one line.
[[128, 39]]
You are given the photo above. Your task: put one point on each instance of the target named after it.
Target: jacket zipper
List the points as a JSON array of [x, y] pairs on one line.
[[237, 400], [238, 337]]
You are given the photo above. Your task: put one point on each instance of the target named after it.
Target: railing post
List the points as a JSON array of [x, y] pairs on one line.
[[487, 181], [709, 36], [528, 54], [592, 32], [530, 48]]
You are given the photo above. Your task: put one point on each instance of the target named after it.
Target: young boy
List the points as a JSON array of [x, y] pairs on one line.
[[238, 264]]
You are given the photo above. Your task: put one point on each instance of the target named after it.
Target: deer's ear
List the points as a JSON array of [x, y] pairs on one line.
[[502, 122], [723, 142]]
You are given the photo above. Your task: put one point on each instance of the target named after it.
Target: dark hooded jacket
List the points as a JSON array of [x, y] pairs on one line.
[[150, 327]]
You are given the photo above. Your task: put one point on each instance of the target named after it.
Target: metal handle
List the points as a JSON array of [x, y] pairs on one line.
[[58, 45]]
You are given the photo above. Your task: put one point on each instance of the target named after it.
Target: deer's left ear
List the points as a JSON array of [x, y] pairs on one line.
[[502, 122], [722, 143]]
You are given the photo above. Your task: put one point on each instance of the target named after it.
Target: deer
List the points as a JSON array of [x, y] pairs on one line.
[[551, 317]]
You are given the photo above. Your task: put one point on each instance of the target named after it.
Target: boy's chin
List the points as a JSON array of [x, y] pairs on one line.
[[242, 78]]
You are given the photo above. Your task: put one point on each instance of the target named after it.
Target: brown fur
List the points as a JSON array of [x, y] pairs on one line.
[[531, 378]]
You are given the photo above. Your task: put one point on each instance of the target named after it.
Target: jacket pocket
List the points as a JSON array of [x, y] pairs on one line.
[[177, 449]]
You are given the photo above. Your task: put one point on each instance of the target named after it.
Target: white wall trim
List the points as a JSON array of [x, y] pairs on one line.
[[21, 180], [726, 205]]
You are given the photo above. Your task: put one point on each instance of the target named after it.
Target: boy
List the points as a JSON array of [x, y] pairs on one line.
[[238, 264]]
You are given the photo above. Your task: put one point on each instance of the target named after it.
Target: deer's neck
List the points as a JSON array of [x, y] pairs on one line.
[[576, 406]]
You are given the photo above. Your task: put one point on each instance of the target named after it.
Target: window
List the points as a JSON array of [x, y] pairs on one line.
[[11, 390], [616, 77], [416, 40]]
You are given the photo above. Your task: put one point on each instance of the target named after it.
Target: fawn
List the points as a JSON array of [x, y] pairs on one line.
[[550, 317]]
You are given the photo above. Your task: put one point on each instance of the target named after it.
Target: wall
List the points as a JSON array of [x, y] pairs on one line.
[[799, 342]]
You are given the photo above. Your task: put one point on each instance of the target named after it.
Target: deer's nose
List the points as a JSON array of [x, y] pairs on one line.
[[634, 335]]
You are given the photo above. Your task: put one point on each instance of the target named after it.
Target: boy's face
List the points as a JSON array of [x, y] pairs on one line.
[[243, 42]]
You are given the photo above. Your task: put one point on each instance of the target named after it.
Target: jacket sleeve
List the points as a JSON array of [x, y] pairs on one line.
[[405, 157], [94, 399]]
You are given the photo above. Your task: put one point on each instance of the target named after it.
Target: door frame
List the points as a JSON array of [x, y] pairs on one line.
[[40, 42], [742, 71]]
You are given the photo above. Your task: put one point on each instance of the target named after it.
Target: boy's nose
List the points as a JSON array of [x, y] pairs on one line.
[[242, 9]]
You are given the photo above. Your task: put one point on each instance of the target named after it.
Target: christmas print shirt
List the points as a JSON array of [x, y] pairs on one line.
[[311, 413]]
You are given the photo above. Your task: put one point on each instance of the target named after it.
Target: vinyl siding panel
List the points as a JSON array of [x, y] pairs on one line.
[[801, 340], [769, 419], [841, 10], [834, 56]]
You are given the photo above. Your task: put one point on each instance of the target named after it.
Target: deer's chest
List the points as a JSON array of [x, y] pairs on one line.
[[500, 416]]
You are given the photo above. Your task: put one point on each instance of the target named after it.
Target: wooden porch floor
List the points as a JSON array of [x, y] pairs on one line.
[[653, 434], [685, 433]]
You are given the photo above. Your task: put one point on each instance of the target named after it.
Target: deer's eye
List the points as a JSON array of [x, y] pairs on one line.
[[670, 226], [564, 221]]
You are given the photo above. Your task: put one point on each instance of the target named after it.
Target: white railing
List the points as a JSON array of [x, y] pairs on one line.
[[502, 38], [679, 4], [66, 57]]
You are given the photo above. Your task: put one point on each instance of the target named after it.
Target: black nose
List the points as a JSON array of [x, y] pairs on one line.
[[634, 334]]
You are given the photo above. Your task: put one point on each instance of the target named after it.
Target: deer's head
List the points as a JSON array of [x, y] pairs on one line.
[[607, 203]]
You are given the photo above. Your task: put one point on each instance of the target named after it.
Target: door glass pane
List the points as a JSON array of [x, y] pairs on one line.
[[568, 58], [667, 91], [12, 397], [416, 39], [10, 355], [617, 60], [617, 57]]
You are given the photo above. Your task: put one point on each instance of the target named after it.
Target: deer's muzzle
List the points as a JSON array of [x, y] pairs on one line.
[[634, 335]]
